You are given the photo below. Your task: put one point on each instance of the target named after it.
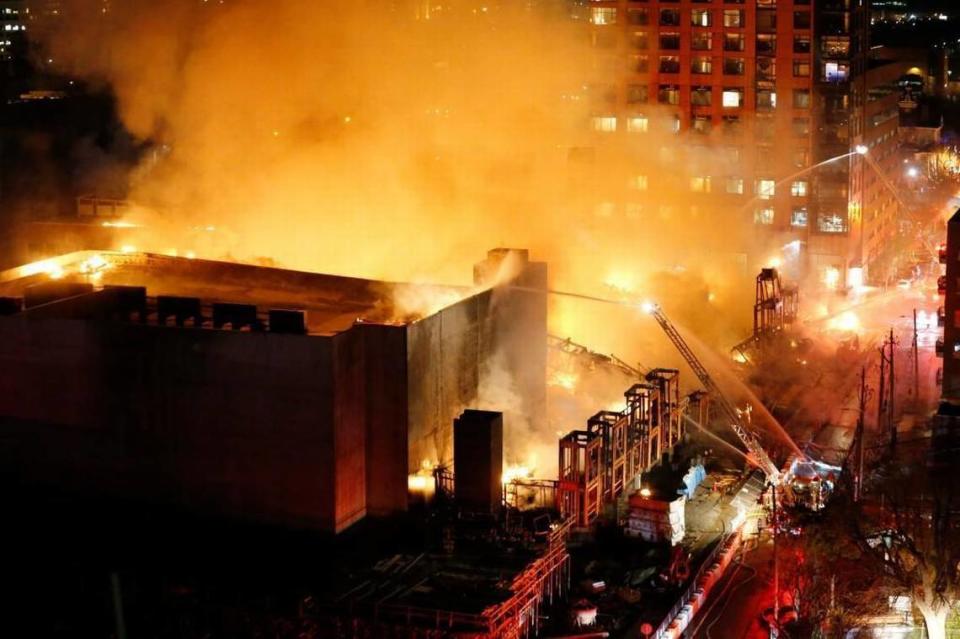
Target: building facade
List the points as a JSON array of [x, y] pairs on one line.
[[759, 91]]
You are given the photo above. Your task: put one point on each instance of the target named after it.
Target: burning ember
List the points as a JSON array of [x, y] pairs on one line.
[[516, 471]]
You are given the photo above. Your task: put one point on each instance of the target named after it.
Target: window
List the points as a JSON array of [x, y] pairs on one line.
[[800, 158], [801, 68], [798, 216], [766, 99], [766, 69], [640, 40], [765, 130], [670, 17], [729, 154], [766, 189], [733, 18], [733, 66], [603, 39], [603, 15], [732, 98], [763, 215], [835, 71], [701, 124], [801, 44], [734, 186], [835, 46], [638, 16], [733, 127], [605, 123], [700, 184], [670, 40], [831, 224], [668, 94], [701, 41], [799, 188], [766, 20], [634, 210], [638, 123], [701, 18], [801, 127], [637, 94], [702, 64], [640, 63], [669, 64], [801, 98], [734, 42], [801, 19], [639, 183], [701, 96], [766, 44]]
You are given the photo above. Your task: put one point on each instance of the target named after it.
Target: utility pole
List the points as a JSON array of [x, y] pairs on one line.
[[916, 363], [775, 622], [859, 436], [893, 424], [882, 395]]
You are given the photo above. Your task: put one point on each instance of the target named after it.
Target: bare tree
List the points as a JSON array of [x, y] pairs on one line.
[[908, 528]]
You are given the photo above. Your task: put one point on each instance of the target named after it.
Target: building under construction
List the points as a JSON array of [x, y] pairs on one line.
[[259, 393]]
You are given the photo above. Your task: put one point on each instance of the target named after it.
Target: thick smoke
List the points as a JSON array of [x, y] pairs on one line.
[[393, 140]]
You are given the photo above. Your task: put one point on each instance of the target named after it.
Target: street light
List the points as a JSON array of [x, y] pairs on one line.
[[862, 149], [913, 172]]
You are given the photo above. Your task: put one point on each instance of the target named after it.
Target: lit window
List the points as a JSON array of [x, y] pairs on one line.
[[735, 186], [732, 98], [605, 123], [603, 15], [639, 183], [799, 188], [801, 68], [638, 124], [700, 18], [732, 18], [835, 71], [798, 217], [763, 216], [831, 224], [801, 98], [700, 184], [766, 189], [701, 123]]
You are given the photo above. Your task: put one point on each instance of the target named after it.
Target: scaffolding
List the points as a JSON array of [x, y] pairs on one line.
[[580, 487], [376, 606], [667, 404], [776, 305], [613, 430]]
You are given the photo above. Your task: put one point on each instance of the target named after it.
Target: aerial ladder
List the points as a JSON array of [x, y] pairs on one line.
[[756, 451]]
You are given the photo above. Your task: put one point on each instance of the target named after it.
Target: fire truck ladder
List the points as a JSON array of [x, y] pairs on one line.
[[756, 451]]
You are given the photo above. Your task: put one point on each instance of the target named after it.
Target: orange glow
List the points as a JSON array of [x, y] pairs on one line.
[[847, 322]]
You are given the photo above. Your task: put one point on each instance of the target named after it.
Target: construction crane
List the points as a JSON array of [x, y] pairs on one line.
[[758, 454]]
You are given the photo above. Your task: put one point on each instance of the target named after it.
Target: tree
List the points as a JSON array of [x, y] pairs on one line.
[[836, 588], [907, 527]]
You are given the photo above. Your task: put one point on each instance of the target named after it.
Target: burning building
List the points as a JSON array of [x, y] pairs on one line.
[[259, 393]]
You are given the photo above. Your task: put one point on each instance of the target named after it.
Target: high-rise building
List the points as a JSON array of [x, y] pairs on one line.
[[759, 90]]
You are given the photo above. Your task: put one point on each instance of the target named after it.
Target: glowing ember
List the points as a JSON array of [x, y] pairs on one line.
[[516, 471], [847, 322], [564, 380], [831, 278]]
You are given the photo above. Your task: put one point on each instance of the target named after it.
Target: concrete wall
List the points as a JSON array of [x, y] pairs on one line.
[[495, 338], [256, 425]]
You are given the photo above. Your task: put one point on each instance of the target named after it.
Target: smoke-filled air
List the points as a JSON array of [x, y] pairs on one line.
[[401, 140]]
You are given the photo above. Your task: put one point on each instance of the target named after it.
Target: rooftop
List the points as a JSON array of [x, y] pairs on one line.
[[332, 303]]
